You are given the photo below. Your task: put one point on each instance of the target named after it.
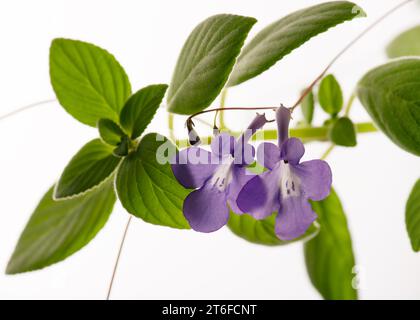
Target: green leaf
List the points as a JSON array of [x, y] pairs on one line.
[[140, 109], [283, 36], [110, 132], [308, 107], [343, 133], [406, 44], [57, 229], [261, 231], [330, 96], [123, 147], [329, 256], [89, 83], [412, 216], [147, 187], [90, 167], [206, 61], [391, 95]]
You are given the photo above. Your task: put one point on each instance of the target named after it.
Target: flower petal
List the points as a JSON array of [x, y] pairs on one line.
[[240, 176], [222, 144], [294, 218], [283, 119], [244, 154], [260, 196], [268, 154], [206, 209], [316, 178], [193, 166], [292, 150]]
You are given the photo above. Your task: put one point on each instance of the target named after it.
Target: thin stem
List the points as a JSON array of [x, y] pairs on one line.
[[306, 134], [171, 126], [349, 104], [348, 46], [118, 258], [223, 97], [27, 107], [327, 152]]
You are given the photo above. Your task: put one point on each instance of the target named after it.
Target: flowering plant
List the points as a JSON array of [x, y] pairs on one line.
[[263, 192]]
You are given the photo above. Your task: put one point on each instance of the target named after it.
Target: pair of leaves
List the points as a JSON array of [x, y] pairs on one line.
[[391, 95], [328, 251], [209, 54]]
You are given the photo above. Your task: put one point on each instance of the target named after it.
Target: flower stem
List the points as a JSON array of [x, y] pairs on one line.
[[171, 126], [306, 134], [118, 257], [349, 104], [327, 152], [223, 97]]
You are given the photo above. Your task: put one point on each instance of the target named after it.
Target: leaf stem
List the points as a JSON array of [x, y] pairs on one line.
[[349, 104], [223, 97], [327, 152], [27, 107], [347, 47], [171, 126], [118, 257]]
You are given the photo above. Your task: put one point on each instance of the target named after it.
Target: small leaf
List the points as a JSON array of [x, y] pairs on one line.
[[412, 216], [343, 132], [330, 96], [57, 229], [147, 188], [406, 44], [140, 109], [89, 83], [123, 147], [91, 166], [110, 132], [283, 36], [206, 61], [329, 256], [261, 231], [308, 107], [391, 95]]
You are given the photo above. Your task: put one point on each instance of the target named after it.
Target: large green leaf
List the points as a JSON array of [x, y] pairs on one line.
[[91, 166], [281, 37], [406, 44], [330, 95], [261, 231], [147, 188], [412, 216], [329, 256], [57, 229], [89, 83], [206, 61], [140, 109], [391, 95]]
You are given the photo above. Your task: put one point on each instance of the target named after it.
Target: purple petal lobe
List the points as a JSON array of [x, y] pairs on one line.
[[294, 218], [240, 176], [244, 154], [222, 144], [283, 120], [292, 150], [315, 177], [260, 196], [193, 166], [268, 154], [206, 209]]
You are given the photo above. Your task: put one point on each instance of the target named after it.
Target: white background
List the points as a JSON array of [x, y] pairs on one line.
[[373, 179]]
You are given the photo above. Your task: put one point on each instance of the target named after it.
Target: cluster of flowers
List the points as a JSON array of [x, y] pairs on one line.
[[223, 182]]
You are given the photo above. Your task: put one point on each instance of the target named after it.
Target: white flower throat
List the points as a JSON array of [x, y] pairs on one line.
[[289, 182], [222, 177]]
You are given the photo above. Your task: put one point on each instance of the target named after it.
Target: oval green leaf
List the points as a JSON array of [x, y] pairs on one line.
[[330, 95], [406, 44], [206, 61], [329, 256], [391, 95], [89, 82], [262, 231], [140, 109], [343, 133], [412, 216], [90, 167], [57, 229], [147, 187], [283, 36], [110, 132], [308, 107]]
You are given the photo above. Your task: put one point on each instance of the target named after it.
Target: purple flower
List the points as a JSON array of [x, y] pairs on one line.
[[288, 185], [218, 176]]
